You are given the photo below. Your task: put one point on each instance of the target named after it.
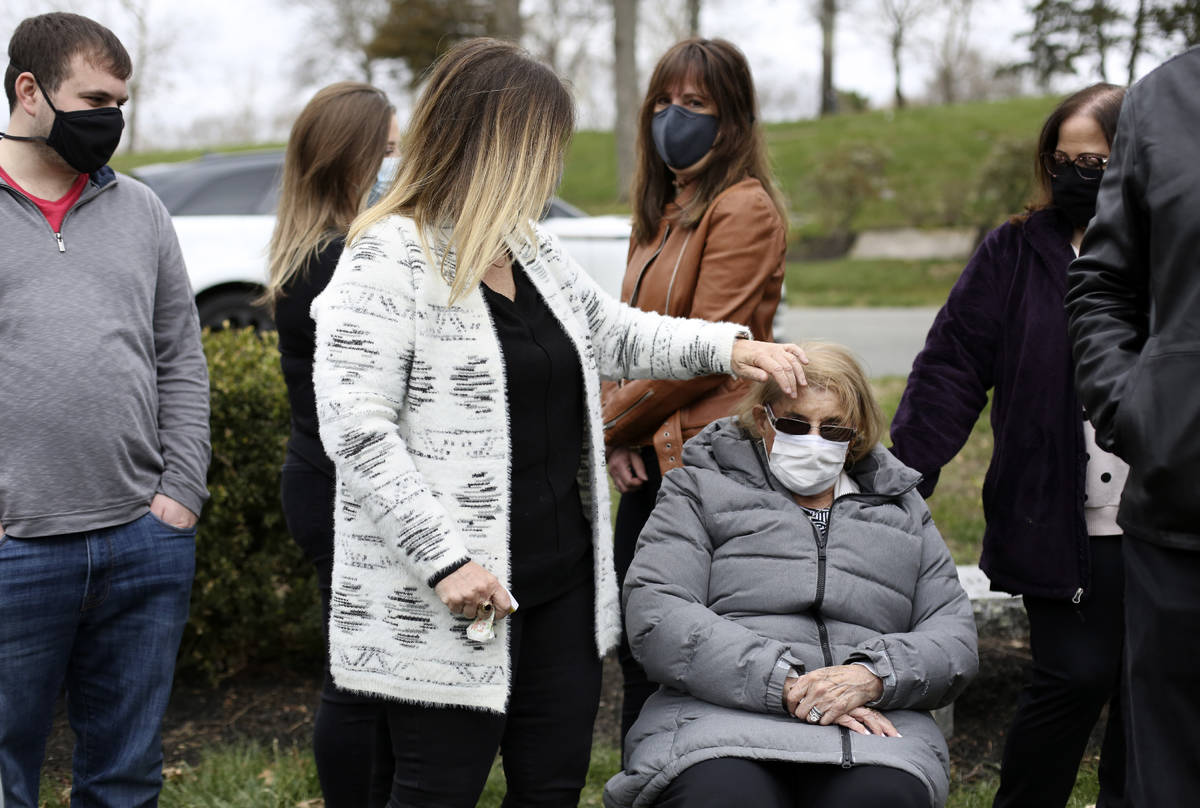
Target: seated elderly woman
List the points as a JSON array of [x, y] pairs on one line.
[[796, 603]]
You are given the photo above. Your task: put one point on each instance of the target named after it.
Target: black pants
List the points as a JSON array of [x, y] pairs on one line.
[[736, 782], [1162, 686], [1076, 670], [632, 513], [350, 740], [443, 754]]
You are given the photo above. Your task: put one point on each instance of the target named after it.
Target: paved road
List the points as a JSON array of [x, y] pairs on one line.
[[886, 339]]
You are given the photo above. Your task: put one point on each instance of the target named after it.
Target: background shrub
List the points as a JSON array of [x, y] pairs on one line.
[[254, 600]]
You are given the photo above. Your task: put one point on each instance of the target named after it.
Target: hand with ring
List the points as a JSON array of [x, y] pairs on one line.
[[838, 695]]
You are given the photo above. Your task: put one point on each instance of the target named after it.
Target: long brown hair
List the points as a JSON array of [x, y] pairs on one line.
[[482, 154], [333, 153], [719, 69], [1102, 103]]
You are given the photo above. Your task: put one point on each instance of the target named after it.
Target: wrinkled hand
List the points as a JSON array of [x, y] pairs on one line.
[[469, 586], [627, 469], [839, 693], [759, 361], [171, 512]]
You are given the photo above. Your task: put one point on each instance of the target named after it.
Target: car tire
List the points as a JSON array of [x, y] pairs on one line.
[[233, 308]]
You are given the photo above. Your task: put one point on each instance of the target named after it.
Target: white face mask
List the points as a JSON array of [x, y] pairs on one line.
[[807, 464], [388, 170]]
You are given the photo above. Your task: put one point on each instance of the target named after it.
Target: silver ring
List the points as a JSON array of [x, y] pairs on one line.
[[814, 715]]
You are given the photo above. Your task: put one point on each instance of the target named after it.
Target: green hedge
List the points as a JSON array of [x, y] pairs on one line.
[[254, 600]]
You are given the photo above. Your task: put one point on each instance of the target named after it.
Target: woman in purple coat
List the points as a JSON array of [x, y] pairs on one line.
[[1050, 496]]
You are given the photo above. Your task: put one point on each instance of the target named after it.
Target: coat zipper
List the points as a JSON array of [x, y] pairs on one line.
[[58, 238], [637, 285], [627, 410], [826, 651]]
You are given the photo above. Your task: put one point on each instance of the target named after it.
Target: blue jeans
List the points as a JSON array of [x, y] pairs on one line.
[[103, 613]]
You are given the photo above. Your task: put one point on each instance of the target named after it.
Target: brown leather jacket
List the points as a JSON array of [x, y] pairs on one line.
[[730, 267]]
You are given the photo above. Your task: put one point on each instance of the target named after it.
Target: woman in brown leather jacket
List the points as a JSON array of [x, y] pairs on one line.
[[709, 236]]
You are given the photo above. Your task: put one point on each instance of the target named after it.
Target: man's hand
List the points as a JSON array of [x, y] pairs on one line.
[[469, 587], [172, 513], [627, 469]]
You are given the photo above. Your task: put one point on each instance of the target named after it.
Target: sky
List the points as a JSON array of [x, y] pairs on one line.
[[227, 70]]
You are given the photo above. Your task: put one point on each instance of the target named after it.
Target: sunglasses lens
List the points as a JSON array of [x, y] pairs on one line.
[[792, 426], [838, 434]]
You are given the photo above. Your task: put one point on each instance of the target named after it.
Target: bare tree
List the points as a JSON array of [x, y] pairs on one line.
[[953, 49], [508, 20], [900, 16], [1136, 34], [150, 43], [693, 16], [827, 16], [560, 34], [625, 13], [348, 27]]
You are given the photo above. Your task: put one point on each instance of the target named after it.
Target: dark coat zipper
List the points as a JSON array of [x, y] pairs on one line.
[[637, 285], [826, 651]]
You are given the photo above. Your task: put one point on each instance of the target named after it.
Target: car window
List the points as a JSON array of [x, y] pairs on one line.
[[248, 191]]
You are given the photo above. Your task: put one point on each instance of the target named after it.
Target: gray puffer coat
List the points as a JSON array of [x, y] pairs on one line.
[[730, 577]]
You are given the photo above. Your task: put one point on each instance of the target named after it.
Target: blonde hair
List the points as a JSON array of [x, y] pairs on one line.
[[482, 154], [834, 368], [719, 69], [333, 153]]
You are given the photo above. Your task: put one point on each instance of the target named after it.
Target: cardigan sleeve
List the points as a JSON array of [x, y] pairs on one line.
[[951, 376], [365, 328], [635, 344], [744, 250]]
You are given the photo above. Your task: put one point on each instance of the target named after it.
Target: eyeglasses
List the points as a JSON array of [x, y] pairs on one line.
[[790, 425], [1087, 166]]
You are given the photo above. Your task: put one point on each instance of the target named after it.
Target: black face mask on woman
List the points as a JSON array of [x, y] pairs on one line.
[[1075, 196], [681, 136], [85, 138]]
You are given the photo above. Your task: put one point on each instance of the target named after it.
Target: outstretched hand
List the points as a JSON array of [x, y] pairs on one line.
[[759, 361]]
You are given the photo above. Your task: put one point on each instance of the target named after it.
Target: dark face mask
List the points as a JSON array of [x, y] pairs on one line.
[[85, 138], [682, 137], [1075, 196]]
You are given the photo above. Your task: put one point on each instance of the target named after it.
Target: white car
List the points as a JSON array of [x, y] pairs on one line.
[[223, 207]]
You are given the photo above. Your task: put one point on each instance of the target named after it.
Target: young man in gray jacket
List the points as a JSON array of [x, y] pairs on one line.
[[103, 426]]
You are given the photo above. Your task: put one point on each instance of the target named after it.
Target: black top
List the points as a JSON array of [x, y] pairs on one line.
[[551, 543], [297, 343]]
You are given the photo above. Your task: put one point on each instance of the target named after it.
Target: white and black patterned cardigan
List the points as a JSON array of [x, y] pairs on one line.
[[411, 401]]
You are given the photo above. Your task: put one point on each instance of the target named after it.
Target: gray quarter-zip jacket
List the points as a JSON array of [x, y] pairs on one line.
[[103, 382]]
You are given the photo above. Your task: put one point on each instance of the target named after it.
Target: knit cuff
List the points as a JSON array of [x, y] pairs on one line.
[[446, 572]]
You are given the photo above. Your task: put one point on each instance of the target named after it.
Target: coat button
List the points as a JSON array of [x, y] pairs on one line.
[[666, 434], [668, 446], [671, 459]]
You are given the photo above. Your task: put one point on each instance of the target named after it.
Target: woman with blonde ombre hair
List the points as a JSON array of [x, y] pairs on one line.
[[341, 141], [458, 363], [800, 611], [709, 237]]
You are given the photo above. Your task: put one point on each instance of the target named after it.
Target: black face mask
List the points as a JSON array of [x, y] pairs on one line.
[[682, 137], [1074, 196], [85, 138]]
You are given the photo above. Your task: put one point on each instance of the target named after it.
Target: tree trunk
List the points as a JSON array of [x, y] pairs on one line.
[[897, 54], [827, 16], [508, 20], [693, 13], [625, 79], [1135, 39]]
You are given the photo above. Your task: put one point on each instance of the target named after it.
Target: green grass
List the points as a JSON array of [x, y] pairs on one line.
[[251, 776], [886, 282], [934, 158]]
